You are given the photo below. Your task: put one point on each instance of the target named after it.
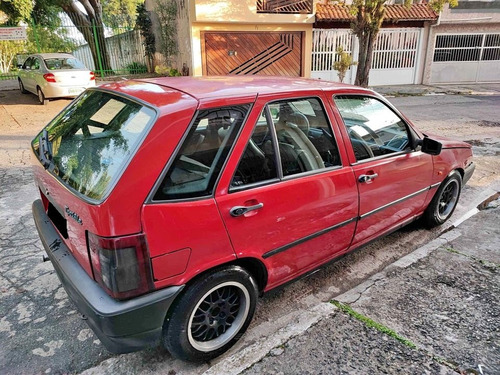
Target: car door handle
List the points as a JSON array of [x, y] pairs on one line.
[[242, 210], [367, 177]]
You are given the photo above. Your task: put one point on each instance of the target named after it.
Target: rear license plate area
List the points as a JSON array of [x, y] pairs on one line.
[[58, 220]]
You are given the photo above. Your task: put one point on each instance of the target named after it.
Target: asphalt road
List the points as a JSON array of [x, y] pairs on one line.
[[42, 333]]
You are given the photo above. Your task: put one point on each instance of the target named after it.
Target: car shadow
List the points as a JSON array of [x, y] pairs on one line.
[[16, 97]]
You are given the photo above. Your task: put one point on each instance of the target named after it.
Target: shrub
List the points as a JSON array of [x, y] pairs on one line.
[[136, 68], [166, 71]]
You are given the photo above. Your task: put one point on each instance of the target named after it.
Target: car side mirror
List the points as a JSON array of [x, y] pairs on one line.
[[430, 146]]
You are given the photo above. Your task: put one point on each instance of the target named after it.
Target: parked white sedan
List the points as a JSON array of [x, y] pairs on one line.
[[54, 75]]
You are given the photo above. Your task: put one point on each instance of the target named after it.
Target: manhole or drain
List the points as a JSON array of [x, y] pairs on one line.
[[491, 202]]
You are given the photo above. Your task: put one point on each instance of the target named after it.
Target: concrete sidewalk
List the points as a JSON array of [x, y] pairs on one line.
[[435, 311], [418, 90]]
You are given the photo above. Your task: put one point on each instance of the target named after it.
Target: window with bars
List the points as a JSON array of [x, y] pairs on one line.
[[467, 47]]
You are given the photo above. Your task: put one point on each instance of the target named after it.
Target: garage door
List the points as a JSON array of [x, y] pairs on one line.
[[466, 58], [260, 53]]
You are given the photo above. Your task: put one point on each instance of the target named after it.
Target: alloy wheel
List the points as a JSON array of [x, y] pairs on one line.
[[448, 199], [218, 316]]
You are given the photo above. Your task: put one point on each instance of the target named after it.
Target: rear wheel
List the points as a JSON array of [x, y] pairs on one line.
[[41, 97], [211, 315], [21, 86], [444, 202]]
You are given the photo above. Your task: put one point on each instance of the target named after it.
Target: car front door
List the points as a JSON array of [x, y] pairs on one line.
[[393, 179], [285, 196], [24, 74]]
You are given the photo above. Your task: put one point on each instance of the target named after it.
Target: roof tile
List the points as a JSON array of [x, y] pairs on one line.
[[393, 13]]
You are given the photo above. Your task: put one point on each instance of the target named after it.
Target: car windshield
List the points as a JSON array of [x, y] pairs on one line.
[[60, 63], [89, 144]]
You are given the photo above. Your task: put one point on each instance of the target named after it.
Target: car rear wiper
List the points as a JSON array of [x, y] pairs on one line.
[[45, 150]]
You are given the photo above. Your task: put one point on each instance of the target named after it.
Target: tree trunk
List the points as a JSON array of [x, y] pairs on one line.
[[83, 23], [366, 43]]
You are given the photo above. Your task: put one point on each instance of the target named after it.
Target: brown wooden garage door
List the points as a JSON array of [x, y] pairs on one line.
[[262, 53]]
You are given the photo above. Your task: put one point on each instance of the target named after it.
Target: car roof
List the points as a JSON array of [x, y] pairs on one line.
[[207, 91], [243, 86], [53, 55]]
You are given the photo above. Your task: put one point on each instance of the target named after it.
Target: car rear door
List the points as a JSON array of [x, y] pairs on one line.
[[392, 178], [285, 196]]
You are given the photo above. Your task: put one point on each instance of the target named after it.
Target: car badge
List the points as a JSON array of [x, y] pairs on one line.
[[73, 215]]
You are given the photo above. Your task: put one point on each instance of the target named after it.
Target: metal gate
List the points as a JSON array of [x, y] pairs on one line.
[[324, 45], [466, 58], [395, 59]]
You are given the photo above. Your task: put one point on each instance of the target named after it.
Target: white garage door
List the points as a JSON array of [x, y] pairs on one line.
[[466, 58]]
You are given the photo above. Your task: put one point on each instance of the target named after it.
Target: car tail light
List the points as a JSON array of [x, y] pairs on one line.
[[121, 265], [92, 76], [49, 77]]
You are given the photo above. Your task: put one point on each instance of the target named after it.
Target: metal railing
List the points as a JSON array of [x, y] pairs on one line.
[[285, 6], [110, 51]]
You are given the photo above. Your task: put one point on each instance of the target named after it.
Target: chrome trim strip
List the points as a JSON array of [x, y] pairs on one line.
[[434, 185], [307, 238], [395, 202]]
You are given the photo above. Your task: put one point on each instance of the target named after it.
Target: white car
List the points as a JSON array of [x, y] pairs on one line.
[[54, 75]]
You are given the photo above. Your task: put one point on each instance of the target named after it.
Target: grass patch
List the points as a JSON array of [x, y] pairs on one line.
[[485, 263], [372, 324]]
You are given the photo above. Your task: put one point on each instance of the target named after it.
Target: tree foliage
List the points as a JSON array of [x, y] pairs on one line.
[[167, 14], [8, 51], [369, 15], [16, 10], [119, 14], [342, 63]]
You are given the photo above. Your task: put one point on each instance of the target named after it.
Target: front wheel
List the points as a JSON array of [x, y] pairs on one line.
[[444, 202], [211, 315]]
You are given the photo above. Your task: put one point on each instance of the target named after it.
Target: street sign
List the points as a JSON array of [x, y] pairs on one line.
[[13, 33]]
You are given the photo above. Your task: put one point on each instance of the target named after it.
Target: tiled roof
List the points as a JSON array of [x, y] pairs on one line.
[[393, 13]]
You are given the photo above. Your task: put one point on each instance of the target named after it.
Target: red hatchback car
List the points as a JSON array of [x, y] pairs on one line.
[[168, 205]]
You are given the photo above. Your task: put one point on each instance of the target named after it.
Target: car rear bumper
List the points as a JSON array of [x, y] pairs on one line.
[[469, 170], [122, 326], [54, 90]]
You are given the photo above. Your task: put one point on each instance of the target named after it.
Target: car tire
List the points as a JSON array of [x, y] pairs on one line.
[[444, 201], [21, 87], [41, 97], [211, 315]]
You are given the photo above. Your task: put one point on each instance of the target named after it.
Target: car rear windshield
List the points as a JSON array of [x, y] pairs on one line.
[[89, 144], [60, 63]]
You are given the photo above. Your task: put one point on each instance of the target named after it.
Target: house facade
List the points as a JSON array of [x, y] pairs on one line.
[[266, 37], [300, 37], [399, 51], [464, 44]]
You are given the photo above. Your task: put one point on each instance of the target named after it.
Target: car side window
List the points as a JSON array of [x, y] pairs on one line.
[[35, 65], [258, 162], [374, 129], [305, 138], [27, 63], [202, 154]]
